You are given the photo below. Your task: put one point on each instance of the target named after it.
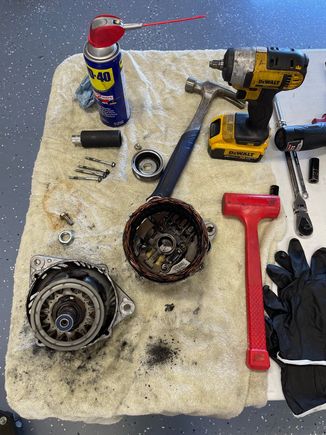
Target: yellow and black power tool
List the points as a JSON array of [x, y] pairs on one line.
[[257, 74]]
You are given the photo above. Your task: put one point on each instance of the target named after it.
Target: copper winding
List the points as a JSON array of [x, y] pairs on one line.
[[155, 205]]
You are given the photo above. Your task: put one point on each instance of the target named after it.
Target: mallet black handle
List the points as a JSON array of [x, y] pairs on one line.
[[98, 139]]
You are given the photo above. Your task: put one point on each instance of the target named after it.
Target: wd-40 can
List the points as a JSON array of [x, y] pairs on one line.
[[104, 66]]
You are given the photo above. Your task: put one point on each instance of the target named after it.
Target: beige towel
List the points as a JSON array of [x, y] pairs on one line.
[[190, 360]]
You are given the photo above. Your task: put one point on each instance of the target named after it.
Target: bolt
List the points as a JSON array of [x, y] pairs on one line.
[[98, 179], [104, 174], [104, 162], [3, 420], [65, 216], [83, 171], [137, 146]]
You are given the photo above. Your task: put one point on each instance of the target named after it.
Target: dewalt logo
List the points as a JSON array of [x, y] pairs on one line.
[[269, 82], [241, 153]]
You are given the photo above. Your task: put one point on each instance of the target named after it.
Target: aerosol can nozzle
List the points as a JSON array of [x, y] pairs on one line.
[[106, 30]]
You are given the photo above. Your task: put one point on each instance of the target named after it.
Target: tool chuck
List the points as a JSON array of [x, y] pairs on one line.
[[217, 64]]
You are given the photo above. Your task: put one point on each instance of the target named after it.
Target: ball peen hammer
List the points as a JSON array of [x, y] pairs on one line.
[[251, 209]]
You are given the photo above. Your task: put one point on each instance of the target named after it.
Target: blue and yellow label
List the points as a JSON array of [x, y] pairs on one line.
[[107, 81], [101, 79]]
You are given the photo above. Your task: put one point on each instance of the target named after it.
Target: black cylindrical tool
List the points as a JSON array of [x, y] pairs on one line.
[[98, 139], [313, 170], [274, 190], [301, 137]]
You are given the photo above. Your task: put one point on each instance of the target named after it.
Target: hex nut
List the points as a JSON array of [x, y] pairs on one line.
[[66, 237]]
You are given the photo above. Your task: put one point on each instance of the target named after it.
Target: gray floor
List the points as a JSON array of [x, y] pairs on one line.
[[35, 37]]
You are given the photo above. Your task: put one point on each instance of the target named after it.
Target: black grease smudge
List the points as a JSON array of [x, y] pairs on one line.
[[169, 307]]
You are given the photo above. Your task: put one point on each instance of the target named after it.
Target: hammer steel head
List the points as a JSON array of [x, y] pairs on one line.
[[191, 84], [198, 87], [211, 90], [249, 206]]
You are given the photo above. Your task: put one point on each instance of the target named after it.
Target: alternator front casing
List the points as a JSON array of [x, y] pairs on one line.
[[72, 304]]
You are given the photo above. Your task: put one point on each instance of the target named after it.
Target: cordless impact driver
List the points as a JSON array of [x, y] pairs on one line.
[[257, 74]]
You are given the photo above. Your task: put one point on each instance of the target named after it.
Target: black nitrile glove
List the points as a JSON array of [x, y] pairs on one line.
[[304, 387], [298, 314]]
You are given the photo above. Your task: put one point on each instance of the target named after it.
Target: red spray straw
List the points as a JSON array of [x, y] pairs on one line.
[[177, 20], [106, 30]]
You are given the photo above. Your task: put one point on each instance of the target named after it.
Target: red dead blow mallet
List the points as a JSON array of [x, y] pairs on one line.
[[251, 209]]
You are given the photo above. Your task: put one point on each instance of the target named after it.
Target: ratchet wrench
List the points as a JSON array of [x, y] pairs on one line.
[[300, 176], [303, 223]]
